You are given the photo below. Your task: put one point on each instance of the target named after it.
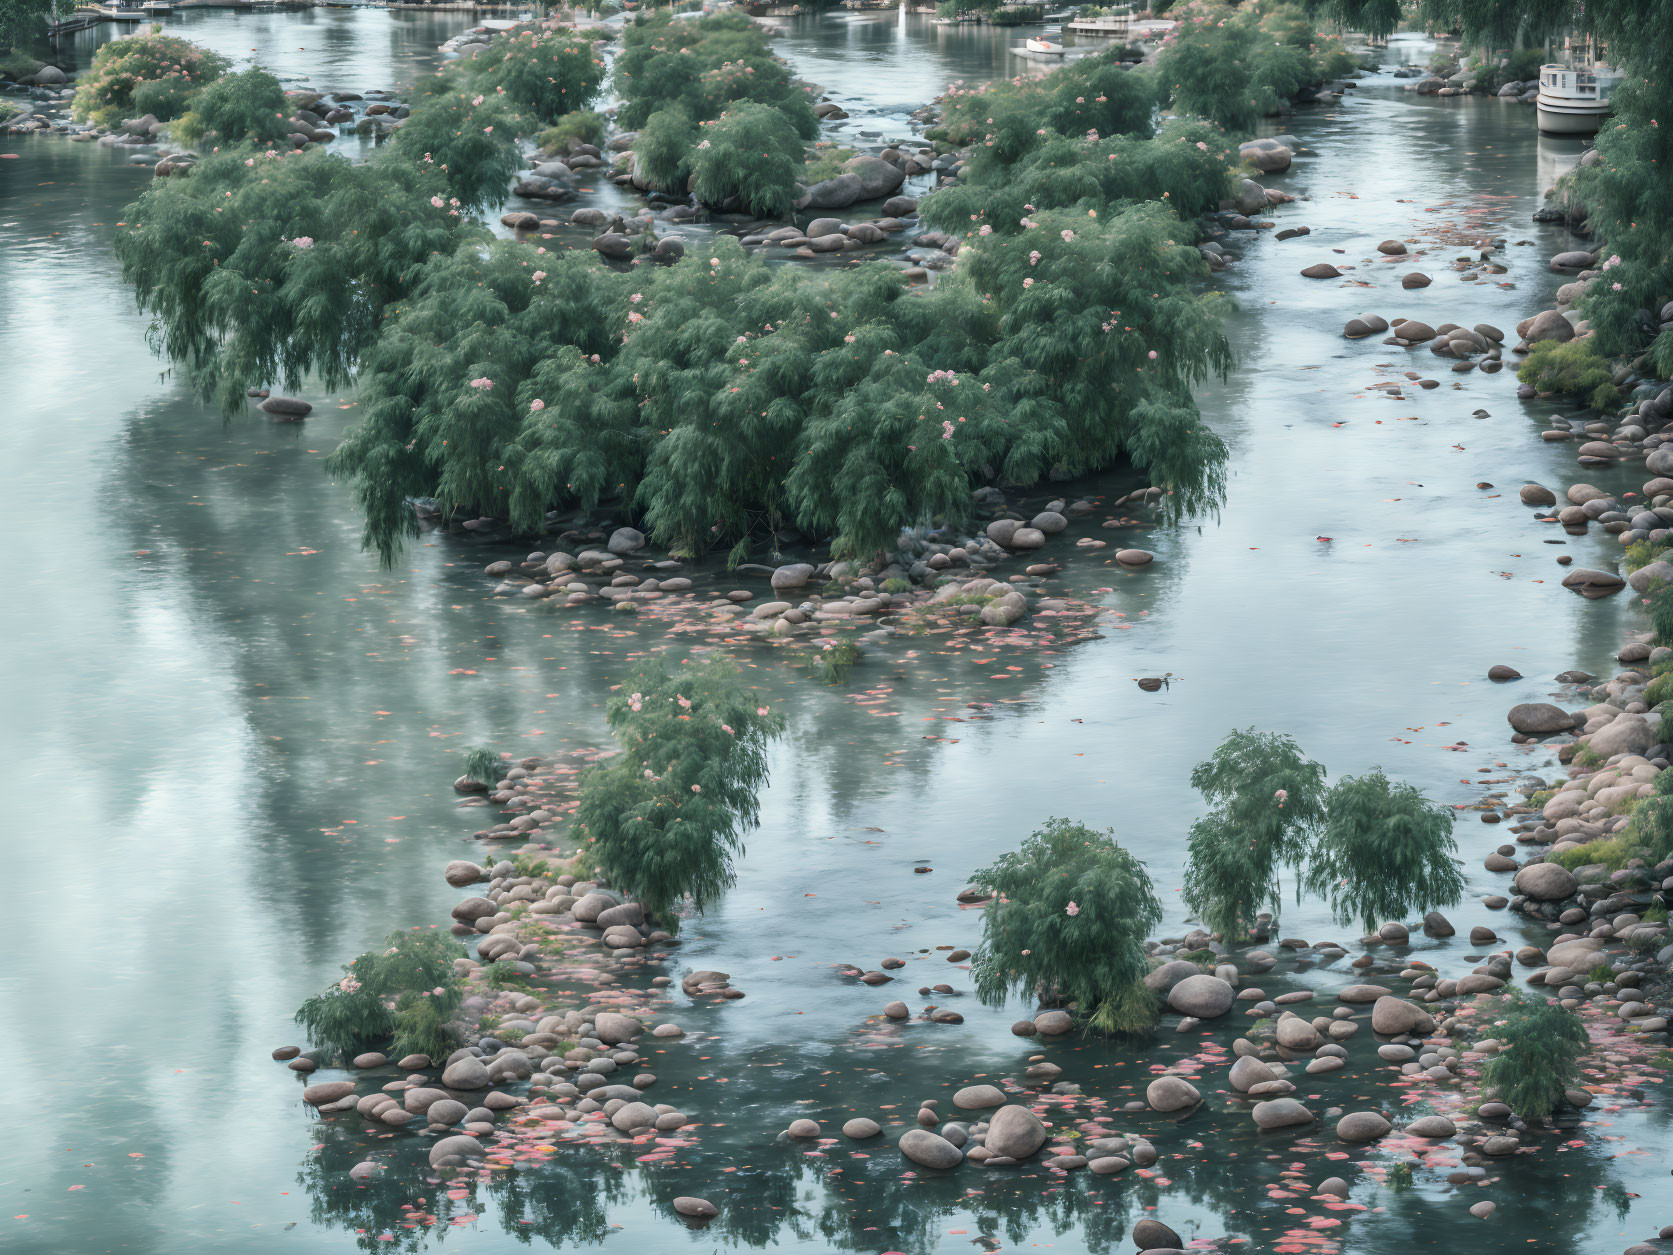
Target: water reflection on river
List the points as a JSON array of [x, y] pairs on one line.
[[230, 736]]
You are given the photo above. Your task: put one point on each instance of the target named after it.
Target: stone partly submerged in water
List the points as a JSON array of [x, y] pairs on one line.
[[930, 1150], [286, 409]]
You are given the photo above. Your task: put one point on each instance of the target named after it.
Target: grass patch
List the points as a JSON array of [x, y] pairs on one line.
[[1572, 369], [583, 125], [1613, 853], [1641, 554], [824, 161]]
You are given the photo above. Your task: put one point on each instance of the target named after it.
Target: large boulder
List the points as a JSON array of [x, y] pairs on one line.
[[1625, 734], [1203, 996], [327, 1092], [1248, 1072], [455, 1150], [1152, 1235], [877, 177], [1172, 1093], [1539, 718], [1546, 882], [47, 76], [1015, 1131], [1280, 1113], [468, 1072], [838, 193], [625, 540], [634, 1115], [287, 408], [1392, 1016], [1548, 325], [930, 1149], [1593, 584], [1164, 978], [614, 1029], [1361, 1126], [1295, 1033], [976, 1097], [790, 577]]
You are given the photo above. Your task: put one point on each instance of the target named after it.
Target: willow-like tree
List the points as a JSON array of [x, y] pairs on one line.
[[664, 819], [407, 991], [1267, 799], [1383, 851], [1540, 1048], [1067, 924], [247, 108]]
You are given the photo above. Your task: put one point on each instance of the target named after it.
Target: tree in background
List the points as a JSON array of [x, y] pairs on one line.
[[1267, 799], [1540, 1047], [663, 820], [1067, 923], [1384, 850]]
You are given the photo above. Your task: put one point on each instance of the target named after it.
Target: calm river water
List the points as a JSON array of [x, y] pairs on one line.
[[229, 737]]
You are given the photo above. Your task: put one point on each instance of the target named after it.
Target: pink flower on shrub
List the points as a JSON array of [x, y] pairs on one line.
[[483, 384], [536, 405], [303, 241], [1071, 909]]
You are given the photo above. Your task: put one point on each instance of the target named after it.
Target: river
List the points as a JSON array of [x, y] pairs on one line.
[[230, 737]]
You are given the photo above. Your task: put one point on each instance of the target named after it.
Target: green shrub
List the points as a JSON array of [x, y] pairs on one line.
[[1067, 924], [1574, 368], [247, 108], [1383, 852], [704, 66], [406, 991], [163, 98], [663, 818], [105, 94], [1611, 852], [14, 64], [824, 161], [897, 585], [551, 73], [836, 659], [662, 152], [752, 152], [1540, 1047], [1267, 799], [1641, 553], [582, 124]]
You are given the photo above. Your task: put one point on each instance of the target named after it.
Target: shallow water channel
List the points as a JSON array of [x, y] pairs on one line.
[[230, 736]]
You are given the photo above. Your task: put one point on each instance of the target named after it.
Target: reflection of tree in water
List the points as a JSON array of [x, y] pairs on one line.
[[787, 1198], [562, 1203]]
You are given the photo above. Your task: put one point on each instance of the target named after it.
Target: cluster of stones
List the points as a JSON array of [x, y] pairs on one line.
[[577, 1071], [1462, 80], [1610, 439], [812, 596]]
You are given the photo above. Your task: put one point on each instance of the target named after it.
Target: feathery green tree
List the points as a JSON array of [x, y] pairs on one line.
[[663, 820], [1384, 850], [1540, 1048], [1067, 923], [549, 73], [663, 149], [247, 108], [1267, 799], [752, 152]]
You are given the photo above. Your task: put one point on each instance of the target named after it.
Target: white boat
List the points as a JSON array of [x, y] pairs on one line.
[[157, 6], [1574, 101], [1043, 48]]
